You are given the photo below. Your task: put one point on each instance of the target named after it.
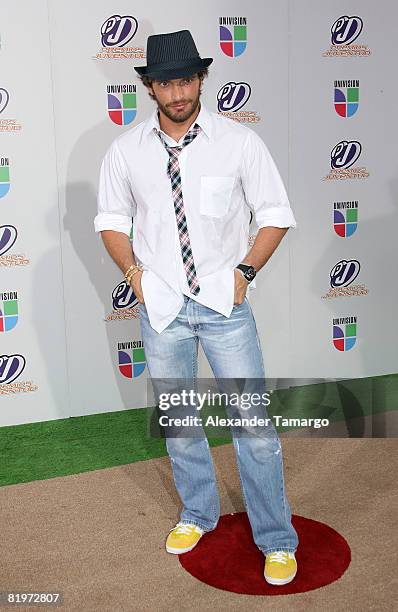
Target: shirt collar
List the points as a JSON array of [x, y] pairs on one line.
[[203, 119]]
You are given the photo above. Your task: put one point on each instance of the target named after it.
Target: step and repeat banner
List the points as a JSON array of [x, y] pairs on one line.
[[315, 80], [343, 184]]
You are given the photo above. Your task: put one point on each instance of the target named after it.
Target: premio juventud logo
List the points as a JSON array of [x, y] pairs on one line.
[[8, 237], [124, 303], [117, 34], [231, 98], [343, 161], [11, 368], [342, 276], [344, 33]]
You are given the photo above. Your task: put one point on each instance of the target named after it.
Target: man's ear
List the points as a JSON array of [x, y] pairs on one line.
[[150, 90]]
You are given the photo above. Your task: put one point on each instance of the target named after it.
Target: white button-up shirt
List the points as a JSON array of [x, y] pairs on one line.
[[226, 171]]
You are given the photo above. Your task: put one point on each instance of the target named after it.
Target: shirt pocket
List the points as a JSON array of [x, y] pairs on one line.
[[215, 195]]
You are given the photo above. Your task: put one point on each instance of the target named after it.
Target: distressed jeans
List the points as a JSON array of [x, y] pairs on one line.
[[232, 348]]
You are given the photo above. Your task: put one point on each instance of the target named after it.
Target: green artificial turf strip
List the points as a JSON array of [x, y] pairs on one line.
[[36, 451]]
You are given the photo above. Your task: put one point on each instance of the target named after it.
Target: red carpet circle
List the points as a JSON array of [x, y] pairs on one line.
[[228, 559]]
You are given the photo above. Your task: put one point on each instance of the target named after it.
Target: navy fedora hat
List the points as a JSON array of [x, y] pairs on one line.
[[171, 56]]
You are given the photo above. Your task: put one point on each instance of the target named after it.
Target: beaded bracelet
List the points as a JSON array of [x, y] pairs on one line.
[[130, 271]]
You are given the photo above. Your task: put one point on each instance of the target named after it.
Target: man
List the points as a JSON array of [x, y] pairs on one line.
[[189, 178]]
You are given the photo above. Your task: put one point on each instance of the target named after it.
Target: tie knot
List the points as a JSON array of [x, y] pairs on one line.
[[189, 137], [175, 151]]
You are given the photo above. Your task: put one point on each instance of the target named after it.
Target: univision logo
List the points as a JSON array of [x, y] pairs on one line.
[[11, 366], [345, 218], [131, 358], [232, 96], [8, 311], [233, 35], [122, 103], [344, 333], [118, 30], [346, 97], [4, 176]]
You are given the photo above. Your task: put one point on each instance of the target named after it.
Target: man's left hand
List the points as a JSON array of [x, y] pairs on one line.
[[241, 285]]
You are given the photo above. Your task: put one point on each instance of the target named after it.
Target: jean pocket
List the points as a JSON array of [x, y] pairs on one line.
[[240, 305]]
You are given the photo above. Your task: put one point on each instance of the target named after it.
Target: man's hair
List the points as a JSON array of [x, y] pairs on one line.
[[147, 81]]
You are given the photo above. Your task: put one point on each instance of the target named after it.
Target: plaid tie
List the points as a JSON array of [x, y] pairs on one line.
[[173, 171]]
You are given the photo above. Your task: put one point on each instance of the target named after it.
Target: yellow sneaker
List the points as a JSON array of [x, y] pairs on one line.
[[280, 567], [182, 538]]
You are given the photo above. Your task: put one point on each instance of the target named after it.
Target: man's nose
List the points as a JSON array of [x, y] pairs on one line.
[[177, 88]]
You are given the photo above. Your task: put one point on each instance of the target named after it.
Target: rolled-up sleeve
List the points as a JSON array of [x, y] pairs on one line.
[[116, 205], [263, 187]]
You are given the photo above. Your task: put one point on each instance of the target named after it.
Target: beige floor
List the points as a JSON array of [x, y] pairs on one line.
[[98, 537]]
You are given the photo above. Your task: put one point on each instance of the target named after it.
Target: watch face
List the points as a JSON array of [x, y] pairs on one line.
[[250, 274]]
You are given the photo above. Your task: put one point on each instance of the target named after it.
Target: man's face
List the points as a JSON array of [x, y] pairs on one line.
[[178, 99]]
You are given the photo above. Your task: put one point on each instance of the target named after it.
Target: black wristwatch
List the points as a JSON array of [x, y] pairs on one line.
[[247, 271]]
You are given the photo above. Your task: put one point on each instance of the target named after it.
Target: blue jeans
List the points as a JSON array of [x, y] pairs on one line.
[[232, 348]]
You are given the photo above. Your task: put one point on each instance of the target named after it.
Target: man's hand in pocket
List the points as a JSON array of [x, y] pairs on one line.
[[241, 285], [135, 284]]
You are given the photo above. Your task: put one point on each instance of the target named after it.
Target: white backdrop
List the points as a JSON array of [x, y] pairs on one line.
[[60, 357]]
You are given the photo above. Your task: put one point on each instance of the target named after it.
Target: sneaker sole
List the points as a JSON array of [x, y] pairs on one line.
[[280, 581], [179, 551]]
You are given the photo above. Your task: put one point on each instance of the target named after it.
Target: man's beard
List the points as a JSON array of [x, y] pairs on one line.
[[179, 116]]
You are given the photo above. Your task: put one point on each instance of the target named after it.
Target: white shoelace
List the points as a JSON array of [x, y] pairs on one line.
[[279, 556], [185, 529]]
